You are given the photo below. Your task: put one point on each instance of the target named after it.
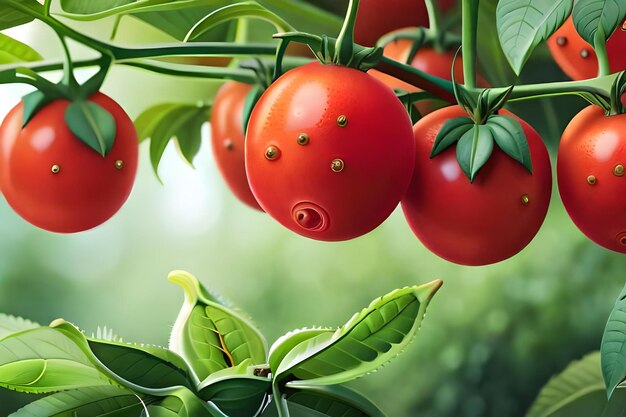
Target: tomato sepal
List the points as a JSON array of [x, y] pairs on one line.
[[450, 133], [509, 136], [474, 149], [33, 102], [92, 124], [250, 101], [617, 91]]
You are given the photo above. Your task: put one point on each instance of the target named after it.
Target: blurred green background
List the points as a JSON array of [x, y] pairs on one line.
[[493, 336]]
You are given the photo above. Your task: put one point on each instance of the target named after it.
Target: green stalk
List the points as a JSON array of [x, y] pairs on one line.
[[279, 401], [603, 58], [434, 24], [344, 47], [193, 71], [469, 33]]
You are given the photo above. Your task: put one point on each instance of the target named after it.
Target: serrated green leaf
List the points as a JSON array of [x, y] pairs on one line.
[[524, 24], [510, 137], [92, 124], [209, 335], [189, 136], [12, 324], [236, 11], [183, 403], [335, 401], [613, 346], [287, 342], [450, 133], [51, 362], [369, 340], [12, 50], [105, 401], [474, 149], [578, 391], [10, 16], [596, 20], [249, 103]]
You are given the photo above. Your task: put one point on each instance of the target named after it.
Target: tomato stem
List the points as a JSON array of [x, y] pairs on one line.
[[434, 25], [344, 47], [601, 53], [469, 32]]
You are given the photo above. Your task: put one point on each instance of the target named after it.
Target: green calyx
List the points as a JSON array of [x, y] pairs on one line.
[[340, 51], [476, 135], [88, 121], [617, 91]]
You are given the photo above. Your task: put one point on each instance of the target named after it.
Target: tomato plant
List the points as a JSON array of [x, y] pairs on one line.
[[323, 159], [57, 182], [227, 139], [590, 173], [482, 222]]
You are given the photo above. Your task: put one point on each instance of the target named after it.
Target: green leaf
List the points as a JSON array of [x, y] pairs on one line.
[[209, 335], [331, 401], [236, 11], [11, 324], [287, 342], [150, 118], [92, 124], [450, 133], [11, 16], [33, 102], [474, 149], [578, 392], [236, 395], [524, 24], [12, 51], [613, 346], [146, 366], [249, 103], [183, 403], [509, 135], [165, 130], [42, 360], [105, 401], [189, 136], [370, 339], [596, 20]]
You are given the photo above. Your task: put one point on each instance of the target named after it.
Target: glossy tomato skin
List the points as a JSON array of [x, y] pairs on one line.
[[428, 60], [482, 222], [88, 188], [376, 18], [594, 145], [227, 139], [344, 179], [578, 59]]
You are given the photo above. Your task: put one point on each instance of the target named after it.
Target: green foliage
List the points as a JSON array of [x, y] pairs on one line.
[[474, 149], [92, 124], [613, 347], [596, 20], [106, 377], [369, 340], [578, 392], [12, 50], [11, 324], [104, 401], [11, 16], [179, 122], [524, 24]]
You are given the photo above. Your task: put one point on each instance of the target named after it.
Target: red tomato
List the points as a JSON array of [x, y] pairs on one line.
[[590, 173], [55, 181], [376, 18], [227, 139], [577, 58], [329, 151], [476, 223], [427, 60]]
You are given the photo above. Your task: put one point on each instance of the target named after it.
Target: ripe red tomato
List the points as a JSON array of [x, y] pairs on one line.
[[578, 59], [55, 181], [427, 60], [227, 139], [476, 223], [376, 18], [590, 173], [329, 151]]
